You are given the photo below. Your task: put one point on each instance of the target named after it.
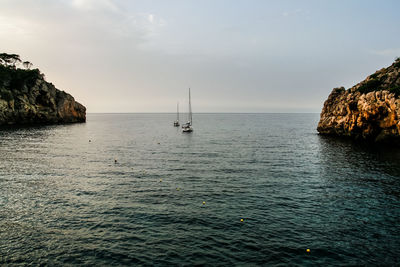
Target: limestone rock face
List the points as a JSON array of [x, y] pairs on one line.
[[370, 110], [26, 98]]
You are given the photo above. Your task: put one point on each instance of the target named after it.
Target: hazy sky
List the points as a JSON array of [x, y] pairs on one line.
[[236, 55]]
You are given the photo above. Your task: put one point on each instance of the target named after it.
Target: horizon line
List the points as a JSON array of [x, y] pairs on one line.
[[150, 112]]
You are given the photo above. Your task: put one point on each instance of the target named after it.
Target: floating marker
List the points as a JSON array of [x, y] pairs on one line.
[[308, 250], [241, 220], [177, 189], [115, 160], [90, 140], [204, 202], [160, 180]]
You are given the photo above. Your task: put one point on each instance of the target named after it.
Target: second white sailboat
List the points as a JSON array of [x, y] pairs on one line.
[[176, 123]]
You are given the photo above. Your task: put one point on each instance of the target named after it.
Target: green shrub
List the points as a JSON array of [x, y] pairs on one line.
[[5, 75], [21, 77], [397, 62], [14, 79], [395, 90], [374, 76], [6, 95], [369, 86]]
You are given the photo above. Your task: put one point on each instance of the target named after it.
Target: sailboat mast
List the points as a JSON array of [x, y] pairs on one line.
[[177, 111], [190, 109]]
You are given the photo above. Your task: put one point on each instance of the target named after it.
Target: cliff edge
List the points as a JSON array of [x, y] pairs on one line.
[[26, 98], [369, 110]]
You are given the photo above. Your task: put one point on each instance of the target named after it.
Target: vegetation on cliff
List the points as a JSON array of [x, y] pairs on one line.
[[26, 97], [384, 79], [369, 110], [13, 80]]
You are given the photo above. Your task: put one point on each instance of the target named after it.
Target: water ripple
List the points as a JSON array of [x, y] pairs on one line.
[[64, 200]]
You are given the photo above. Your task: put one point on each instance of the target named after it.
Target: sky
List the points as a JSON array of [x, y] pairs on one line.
[[235, 55]]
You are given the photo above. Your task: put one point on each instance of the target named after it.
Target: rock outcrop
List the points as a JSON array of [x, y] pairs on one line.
[[369, 110], [26, 98]]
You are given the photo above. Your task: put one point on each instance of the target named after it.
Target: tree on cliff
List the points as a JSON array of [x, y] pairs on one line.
[[27, 64], [9, 60], [15, 78]]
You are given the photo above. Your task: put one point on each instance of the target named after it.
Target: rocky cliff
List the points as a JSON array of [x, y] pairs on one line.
[[369, 110], [26, 98]]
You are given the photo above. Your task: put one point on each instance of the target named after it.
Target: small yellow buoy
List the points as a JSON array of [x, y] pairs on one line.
[[241, 220], [160, 180], [177, 189], [204, 202], [308, 250]]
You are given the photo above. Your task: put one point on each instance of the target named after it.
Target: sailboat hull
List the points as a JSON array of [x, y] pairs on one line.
[[187, 130]]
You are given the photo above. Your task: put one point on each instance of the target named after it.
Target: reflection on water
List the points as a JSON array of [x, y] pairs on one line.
[[64, 200], [361, 162]]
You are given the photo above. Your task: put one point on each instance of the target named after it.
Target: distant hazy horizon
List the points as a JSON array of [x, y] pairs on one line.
[[239, 56]]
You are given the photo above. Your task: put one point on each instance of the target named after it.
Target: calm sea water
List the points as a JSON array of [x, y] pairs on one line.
[[63, 199]]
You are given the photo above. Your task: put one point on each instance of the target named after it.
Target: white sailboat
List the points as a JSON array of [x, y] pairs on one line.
[[187, 127], [176, 123]]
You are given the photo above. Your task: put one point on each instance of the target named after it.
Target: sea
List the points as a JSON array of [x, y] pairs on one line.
[[241, 190]]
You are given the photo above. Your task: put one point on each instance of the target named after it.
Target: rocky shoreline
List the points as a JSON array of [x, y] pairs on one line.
[[27, 98], [369, 110]]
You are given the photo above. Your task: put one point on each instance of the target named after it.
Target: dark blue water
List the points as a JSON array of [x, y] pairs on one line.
[[64, 201]]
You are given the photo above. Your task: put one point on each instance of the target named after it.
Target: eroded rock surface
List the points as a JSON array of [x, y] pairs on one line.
[[369, 110]]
